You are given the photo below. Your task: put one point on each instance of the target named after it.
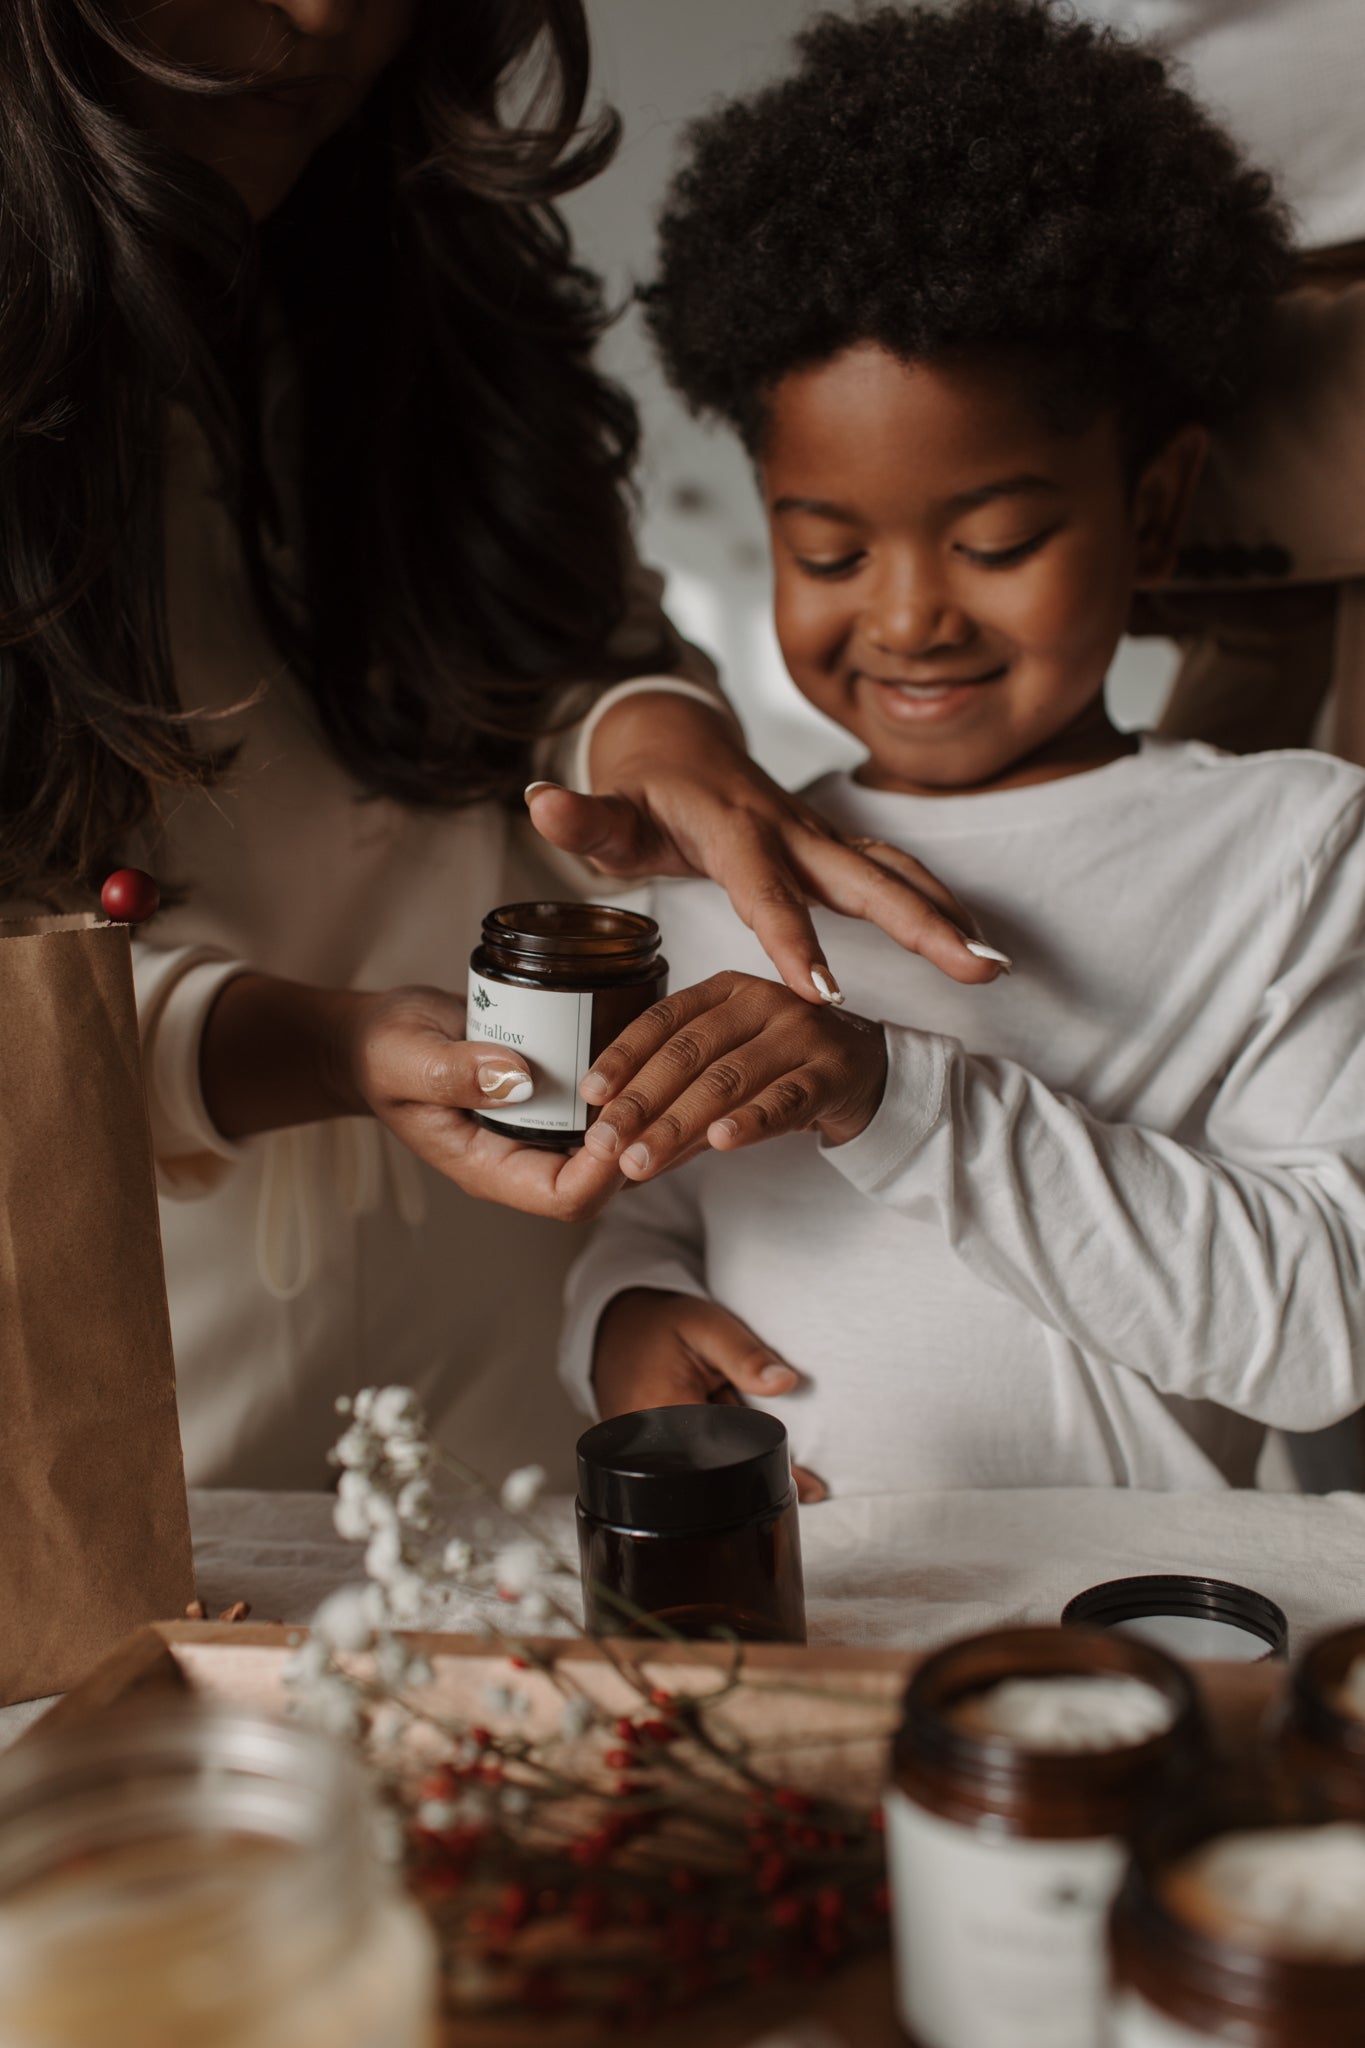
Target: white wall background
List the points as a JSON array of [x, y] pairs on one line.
[[660, 62]]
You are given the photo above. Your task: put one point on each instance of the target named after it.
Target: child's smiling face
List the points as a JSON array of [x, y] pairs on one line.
[[952, 574]]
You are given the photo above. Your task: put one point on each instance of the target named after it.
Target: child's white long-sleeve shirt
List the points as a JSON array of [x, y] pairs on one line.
[[1109, 1219]]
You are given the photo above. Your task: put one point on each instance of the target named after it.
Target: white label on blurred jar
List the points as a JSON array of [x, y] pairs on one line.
[[1000, 1942], [552, 1030], [1135, 2024]]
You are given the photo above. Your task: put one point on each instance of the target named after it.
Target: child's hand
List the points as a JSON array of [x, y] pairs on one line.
[[728, 1063], [657, 1350]]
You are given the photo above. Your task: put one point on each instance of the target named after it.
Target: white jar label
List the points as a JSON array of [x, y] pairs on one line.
[[552, 1030], [1135, 2024], [1000, 1942]]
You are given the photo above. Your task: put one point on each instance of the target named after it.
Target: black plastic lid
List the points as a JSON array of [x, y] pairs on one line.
[[1156, 1594], [683, 1469]]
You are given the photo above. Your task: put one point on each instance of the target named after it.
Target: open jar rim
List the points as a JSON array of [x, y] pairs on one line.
[[1203, 1979], [1071, 1792], [1312, 1710], [571, 931]]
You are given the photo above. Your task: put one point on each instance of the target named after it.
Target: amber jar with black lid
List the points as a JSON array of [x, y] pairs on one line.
[[1182, 1980], [1005, 1854], [557, 982], [1321, 1736], [687, 1525]]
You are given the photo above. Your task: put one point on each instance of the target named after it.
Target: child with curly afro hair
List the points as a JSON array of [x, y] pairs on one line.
[[971, 284]]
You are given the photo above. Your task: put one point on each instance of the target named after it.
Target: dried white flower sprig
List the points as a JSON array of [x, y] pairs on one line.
[[386, 1500]]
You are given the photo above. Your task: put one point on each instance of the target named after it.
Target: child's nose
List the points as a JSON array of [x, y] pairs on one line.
[[910, 614]]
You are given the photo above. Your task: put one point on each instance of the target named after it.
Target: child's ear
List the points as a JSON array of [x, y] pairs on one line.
[[1162, 499]]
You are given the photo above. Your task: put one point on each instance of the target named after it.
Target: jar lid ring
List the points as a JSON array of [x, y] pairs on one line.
[[1188, 1596]]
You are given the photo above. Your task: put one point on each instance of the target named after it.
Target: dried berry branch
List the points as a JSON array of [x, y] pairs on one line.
[[623, 1863]]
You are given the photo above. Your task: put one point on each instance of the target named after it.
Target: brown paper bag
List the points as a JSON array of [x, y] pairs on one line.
[[94, 1528]]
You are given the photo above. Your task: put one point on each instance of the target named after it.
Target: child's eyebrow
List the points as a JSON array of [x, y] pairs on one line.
[[819, 507], [1025, 485], [1021, 486]]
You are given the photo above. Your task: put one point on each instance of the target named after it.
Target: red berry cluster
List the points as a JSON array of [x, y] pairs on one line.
[[803, 1892]]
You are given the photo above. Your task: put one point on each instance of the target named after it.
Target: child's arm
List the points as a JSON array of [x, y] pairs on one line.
[[729, 1062], [653, 1240], [1232, 1273], [640, 1330], [1230, 1268]]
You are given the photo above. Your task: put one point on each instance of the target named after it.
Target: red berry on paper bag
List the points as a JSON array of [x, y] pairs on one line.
[[129, 896]]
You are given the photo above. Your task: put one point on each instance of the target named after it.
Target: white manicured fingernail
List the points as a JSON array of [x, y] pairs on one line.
[[985, 952], [826, 987], [532, 787], [506, 1084]]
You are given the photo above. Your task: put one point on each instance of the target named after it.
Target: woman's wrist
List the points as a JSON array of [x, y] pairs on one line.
[[276, 1053], [637, 731]]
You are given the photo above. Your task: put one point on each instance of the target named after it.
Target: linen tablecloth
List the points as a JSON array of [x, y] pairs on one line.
[[909, 1570]]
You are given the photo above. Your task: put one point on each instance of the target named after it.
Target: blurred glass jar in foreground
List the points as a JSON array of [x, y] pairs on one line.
[[1242, 1922], [1322, 1728], [1025, 1759], [194, 1873]]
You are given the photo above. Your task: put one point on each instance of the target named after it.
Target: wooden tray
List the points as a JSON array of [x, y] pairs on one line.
[[820, 1716]]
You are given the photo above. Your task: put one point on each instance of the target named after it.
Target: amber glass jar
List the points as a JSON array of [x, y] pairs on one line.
[[557, 982], [1209, 1939], [687, 1516], [1322, 1735], [1023, 1762]]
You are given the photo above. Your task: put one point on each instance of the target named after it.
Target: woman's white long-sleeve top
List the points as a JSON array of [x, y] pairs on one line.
[[308, 1263]]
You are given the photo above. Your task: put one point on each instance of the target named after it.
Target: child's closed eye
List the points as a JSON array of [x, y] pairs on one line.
[[844, 566], [1005, 558]]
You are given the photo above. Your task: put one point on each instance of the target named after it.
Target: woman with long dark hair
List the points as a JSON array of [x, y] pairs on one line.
[[313, 550]]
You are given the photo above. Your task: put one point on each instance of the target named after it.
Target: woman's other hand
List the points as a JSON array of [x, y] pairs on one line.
[[277, 1053], [729, 1063], [678, 795], [657, 1350]]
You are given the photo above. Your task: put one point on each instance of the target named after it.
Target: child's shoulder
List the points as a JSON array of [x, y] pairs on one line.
[[1289, 796]]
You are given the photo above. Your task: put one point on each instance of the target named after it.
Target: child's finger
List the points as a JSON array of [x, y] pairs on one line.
[[809, 1486], [825, 1072], [730, 1354], [662, 1351], [718, 1061], [695, 1023], [784, 1105], [755, 1073]]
